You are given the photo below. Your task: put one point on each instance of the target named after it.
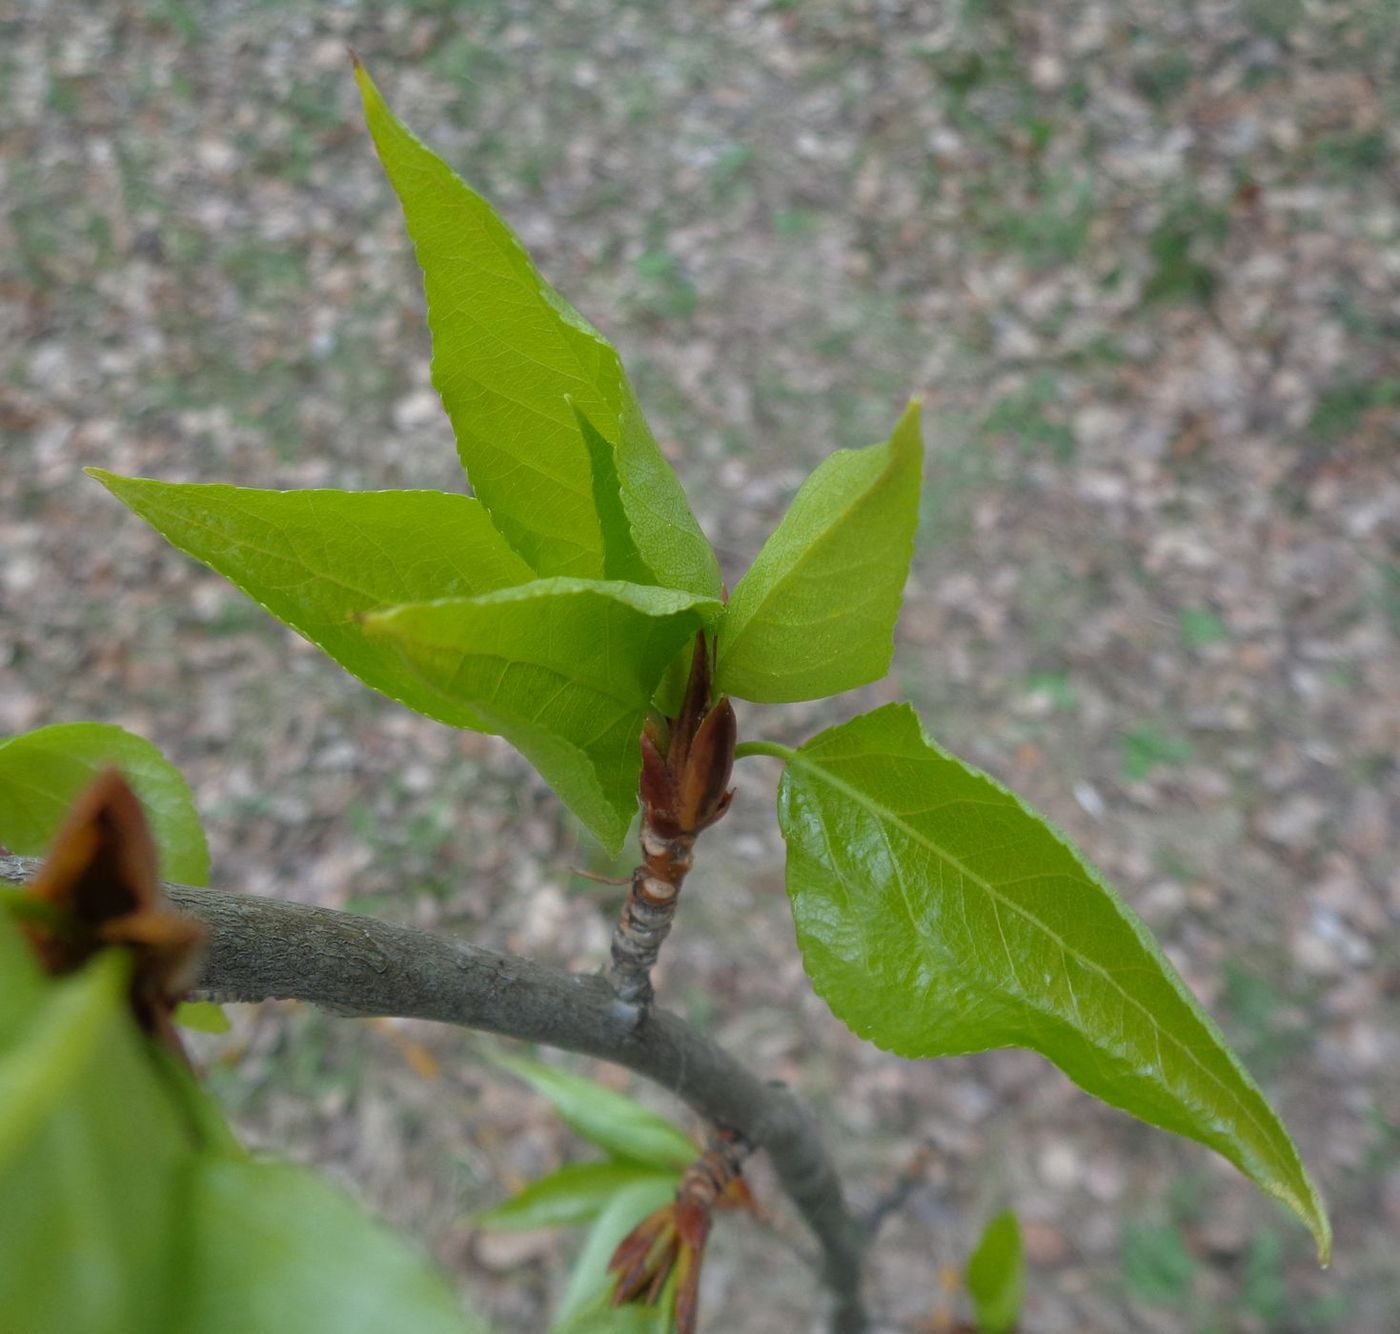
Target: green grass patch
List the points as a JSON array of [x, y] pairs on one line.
[[1032, 417], [1341, 407], [1201, 626], [1157, 1267], [1181, 248], [1148, 747]]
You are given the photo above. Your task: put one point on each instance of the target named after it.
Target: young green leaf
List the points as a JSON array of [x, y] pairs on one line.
[[318, 559], [996, 1275], [815, 613], [611, 1120], [202, 1017], [604, 1318], [271, 1249], [563, 668], [621, 559], [22, 984], [589, 1280], [92, 1155], [127, 1205], [938, 915], [509, 353], [576, 1193], [41, 772]]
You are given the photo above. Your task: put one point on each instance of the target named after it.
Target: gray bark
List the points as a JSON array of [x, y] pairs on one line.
[[262, 948]]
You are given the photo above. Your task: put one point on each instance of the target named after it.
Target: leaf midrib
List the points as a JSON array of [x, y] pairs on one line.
[[883, 813]]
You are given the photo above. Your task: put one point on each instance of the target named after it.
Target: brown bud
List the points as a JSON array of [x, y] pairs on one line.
[[100, 878], [706, 776], [658, 787], [672, 1240], [693, 707], [658, 728]]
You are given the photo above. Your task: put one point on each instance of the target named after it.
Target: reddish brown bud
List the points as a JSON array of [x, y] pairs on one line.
[[658, 788], [659, 730], [100, 882], [693, 707], [669, 1241], [706, 776]]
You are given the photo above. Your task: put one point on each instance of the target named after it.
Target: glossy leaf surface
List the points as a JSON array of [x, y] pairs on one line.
[[509, 357], [563, 668], [815, 613], [576, 1193], [996, 1275], [319, 559], [611, 1120], [938, 915], [41, 772]]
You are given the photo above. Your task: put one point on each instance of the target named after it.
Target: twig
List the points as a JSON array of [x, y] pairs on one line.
[[261, 948], [686, 763]]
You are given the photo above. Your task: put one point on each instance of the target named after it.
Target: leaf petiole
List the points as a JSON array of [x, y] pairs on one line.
[[778, 752]]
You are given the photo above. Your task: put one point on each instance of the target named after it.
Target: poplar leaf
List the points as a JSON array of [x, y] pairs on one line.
[[586, 1293], [92, 1152], [128, 1206], [202, 1017], [938, 915], [996, 1275], [42, 772], [614, 1122], [621, 559], [509, 355], [272, 1249], [317, 560], [815, 613], [564, 669], [576, 1193]]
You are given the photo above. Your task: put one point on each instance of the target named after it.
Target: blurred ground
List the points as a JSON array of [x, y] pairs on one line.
[[1143, 261]]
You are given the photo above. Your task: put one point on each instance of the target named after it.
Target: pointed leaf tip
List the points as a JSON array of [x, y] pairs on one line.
[[505, 343], [815, 613]]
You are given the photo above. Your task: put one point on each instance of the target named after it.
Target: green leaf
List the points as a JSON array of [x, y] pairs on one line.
[[576, 1193], [815, 613], [22, 985], [938, 915], [41, 773], [272, 1249], [621, 559], [589, 1280], [127, 1206], [319, 559], [604, 1318], [996, 1276], [92, 1152], [612, 1121], [509, 354], [564, 669], [201, 1017]]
